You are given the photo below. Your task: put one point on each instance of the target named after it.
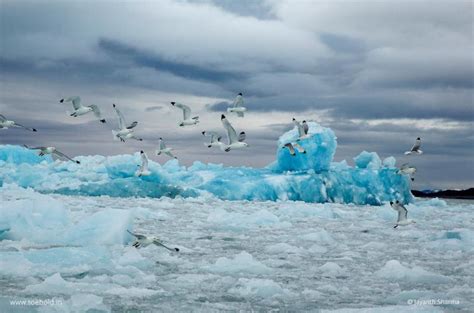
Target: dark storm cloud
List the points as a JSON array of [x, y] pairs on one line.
[[115, 48]]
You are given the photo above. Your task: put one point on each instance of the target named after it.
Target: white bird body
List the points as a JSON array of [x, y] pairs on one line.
[[238, 106], [402, 219], [234, 141], [143, 170], [303, 129], [125, 131], [162, 148], [5, 124], [187, 119], [291, 148], [80, 109]]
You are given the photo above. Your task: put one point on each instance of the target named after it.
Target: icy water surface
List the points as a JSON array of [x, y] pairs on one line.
[[285, 256]]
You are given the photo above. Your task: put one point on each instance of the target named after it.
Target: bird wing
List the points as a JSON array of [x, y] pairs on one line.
[[27, 128], [34, 148], [241, 136], [402, 212], [58, 153], [2, 118], [144, 165], [238, 102], [305, 128], [136, 235], [231, 134], [162, 144], [168, 153], [96, 110], [186, 110], [300, 128], [122, 122], [135, 123], [290, 147], [214, 136], [298, 147], [416, 146], [76, 102]]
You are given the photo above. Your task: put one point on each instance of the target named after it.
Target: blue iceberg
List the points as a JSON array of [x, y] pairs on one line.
[[309, 177]]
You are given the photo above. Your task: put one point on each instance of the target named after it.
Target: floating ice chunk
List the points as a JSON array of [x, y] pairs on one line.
[[394, 271], [368, 160], [82, 302], [242, 263], [322, 237], [320, 147], [435, 202], [262, 288], [331, 269], [220, 218], [390, 309], [283, 248], [20, 155]]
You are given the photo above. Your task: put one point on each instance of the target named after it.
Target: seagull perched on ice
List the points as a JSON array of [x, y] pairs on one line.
[[4, 124], [215, 139], [416, 148], [143, 170], [406, 169], [143, 241], [187, 119], [125, 131], [238, 106], [163, 149], [291, 147], [303, 128], [234, 141], [79, 109], [402, 214], [52, 151]]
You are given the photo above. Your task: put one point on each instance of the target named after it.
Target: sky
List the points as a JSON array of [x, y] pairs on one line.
[[379, 73]]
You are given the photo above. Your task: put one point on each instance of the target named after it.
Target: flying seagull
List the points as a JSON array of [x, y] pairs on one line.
[[187, 119], [302, 129], [406, 169], [143, 170], [416, 148], [215, 139], [234, 141], [125, 131], [4, 124], [79, 109], [291, 147], [163, 149], [51, 150], [402, 219], [238, 106], [143, 241]]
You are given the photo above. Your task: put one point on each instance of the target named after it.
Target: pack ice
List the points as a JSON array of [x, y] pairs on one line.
[[309, 177]]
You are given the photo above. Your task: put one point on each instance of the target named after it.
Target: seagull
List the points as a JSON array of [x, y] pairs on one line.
[[125, 131], [402, 214], [406, 169], [143, 170], [163, 149], [238, 106], [79, 109], [215, 139], [4, 124], [291, 147], [234, 141], [51, 150], [302, 129], [143, 241], [416, 148], [187, 120]]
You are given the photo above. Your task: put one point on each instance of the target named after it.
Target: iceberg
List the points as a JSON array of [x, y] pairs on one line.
[[310, 177]]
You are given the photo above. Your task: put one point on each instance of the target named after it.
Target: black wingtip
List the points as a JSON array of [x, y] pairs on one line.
[[61, 101], [78, 162], [240, 93], [222, 116], [34, 129], [242, 133], [103, 121], [176, 249], [141, 151], [203, 132], [391, 202], [113, 105], [173, 103], [412, 179], [161, 138], [304, 152]]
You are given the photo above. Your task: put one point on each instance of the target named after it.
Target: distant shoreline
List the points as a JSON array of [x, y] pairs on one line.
[[467, 194]]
